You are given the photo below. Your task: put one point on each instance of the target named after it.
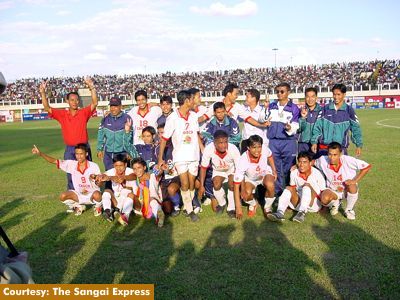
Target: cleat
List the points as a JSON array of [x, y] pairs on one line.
[[97, 210], [334, 210], [252, 211], [276, 217], [121, 218], [231, 214], [299, 217], [193, 217], [175, 213], [160, 218], [350, 214], [108, 215], [219, 209], [79, 209]]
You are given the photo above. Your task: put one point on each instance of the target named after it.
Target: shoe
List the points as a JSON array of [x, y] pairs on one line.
[[334, 210], [194, 217], [108, 215], [97, 210], [70, 205], [207, 201], [160, 218], [185, 213], [121, 218], [197, 210], [350, 214], [252, 211], [266, 211], [231, 214], [175, 213], [220, 209], [79, 209], [276, 217], [70, 210], [299, 217]]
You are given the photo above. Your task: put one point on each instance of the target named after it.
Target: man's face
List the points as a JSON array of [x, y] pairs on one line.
[[338, 96], [147, 137], [220, 114], [73, 101], [115, 109], [255, 150], [190, 103], [311, 99], [160, 132], [304, 165], [334, 156], [221, 144], [141, 101], [120, 167], [250, 100], [139, 169], [80, 155], [282, 93], [233, 95], [166, 107], [197, 99]]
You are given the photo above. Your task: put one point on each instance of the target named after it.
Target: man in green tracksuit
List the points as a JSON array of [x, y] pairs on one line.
[[333, 124]]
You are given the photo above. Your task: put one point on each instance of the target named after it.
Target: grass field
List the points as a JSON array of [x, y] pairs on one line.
[[325, 257]]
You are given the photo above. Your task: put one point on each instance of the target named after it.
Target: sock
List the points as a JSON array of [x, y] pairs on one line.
[[252, 204], [231, 201], [106, 200], [127, 206], [155, 206], [305, 199], [351, 200], [334, 203], [220, 196], [187, 201], [284, 201], [70, 203], [176, 199], [268, 203]]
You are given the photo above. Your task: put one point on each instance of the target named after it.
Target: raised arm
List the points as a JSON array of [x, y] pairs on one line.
[[35, 150], [45, 102], [95, 100]]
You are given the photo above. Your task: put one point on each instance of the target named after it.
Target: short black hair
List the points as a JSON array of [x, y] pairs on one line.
[[218, 105], [311, 89], [229, 88], [305, 154], [139, 160], [82, 146], [220, 134], [284, 84], [120, 157], [193, 91], [161, 125], [72, 93], [182, 97], [166, 98], [140, 93], [339, 86], [335, 145], [149, 129], [254, 93], [255, 139]]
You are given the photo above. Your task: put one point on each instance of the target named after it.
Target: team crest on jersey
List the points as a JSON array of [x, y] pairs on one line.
[[187, 139]]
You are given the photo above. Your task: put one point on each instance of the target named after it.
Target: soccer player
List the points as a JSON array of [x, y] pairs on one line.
[[166, 108], [221, 121], [256, 166], [342, 174], [183, 127], [142, 116], [283, 118], [334, 123], [148, 151], [198, 108], [85, 191], [110, 137], [73, 121], [306, 185], [224, 158], [118, 201], [309, 114]]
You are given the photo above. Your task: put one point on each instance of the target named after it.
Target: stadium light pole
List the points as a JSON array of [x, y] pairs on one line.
[[275, 49]]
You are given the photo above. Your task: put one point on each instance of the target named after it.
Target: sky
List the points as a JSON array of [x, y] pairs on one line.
[[40, 38]]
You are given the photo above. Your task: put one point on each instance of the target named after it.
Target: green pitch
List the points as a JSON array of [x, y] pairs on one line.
[[325, 257]]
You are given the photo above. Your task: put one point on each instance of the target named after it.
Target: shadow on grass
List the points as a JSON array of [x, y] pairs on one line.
[[358, 264], [7, 208]]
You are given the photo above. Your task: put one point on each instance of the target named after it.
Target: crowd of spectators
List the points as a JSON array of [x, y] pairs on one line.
[[361, 75]]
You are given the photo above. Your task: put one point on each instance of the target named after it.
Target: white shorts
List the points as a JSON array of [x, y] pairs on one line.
[[225, 174], [254, 183], [84, 199], [314, 208], [190, 166], [339, 195]]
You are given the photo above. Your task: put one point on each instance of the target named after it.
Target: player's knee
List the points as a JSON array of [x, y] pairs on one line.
[[247, 196], [97, 196], [352, 188], [63, 196], [171, 191]]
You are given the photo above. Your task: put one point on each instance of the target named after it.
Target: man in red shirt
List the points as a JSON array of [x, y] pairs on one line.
[[73, 121]]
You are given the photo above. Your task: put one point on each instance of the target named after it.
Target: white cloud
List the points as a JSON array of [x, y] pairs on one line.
[[100, 47], [95, 56], [63, 13], [341, 41], [126, 56], [6, 5], [244, 8]]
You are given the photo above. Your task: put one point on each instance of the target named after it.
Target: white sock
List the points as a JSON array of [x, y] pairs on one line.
[[284, 201], [305, 199], [334, 203], [187, 201], [231, 201], [351, 200], [106, 200], [268, 203], [127, 206], [251, 203], [220, 196], [69, 202], [191, 194], [155, 206]]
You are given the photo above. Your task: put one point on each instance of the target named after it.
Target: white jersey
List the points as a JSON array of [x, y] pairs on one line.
[[254, 170], [119, 187], [315, 179], [141, 121], [81, 180], [346, 170], [154, 188], [236, 111], [201, 111], [226, 162], [249, 130], [184, 134]]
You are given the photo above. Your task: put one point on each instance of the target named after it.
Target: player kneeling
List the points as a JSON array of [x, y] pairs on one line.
[[146, 190], [256, 166], [306, 184], [117, 202], [85, 192], [342, 179], [224, 158]]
